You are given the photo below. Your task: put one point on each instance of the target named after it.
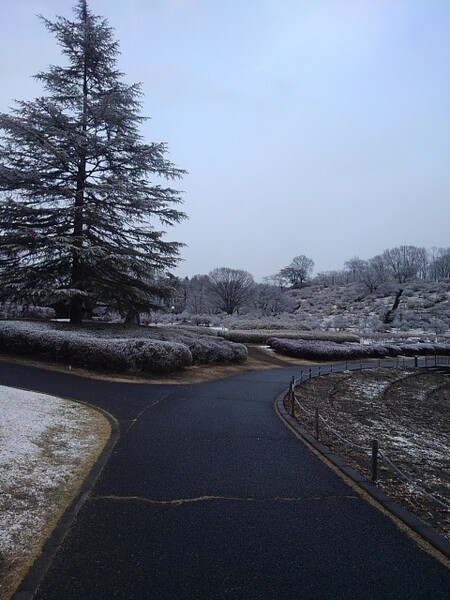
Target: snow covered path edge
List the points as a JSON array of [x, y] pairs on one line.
[[52, 451]]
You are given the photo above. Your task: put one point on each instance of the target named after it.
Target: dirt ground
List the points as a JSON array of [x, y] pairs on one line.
[[408, 413]]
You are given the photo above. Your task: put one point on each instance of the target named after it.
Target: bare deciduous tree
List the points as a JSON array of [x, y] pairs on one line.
[[230, 288], [405, 262], [298, 272]]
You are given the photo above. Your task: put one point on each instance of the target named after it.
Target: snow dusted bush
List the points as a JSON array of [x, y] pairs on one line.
[[205, 320], [266, 324], [261, 337], [442, 349], [330, 351], [418, 349], [84, 350], [319, 305], [119, 348], [204, 348], [319, 350], [159, 357], [144, 356], [393, 350], [438, 325], [246, 337], [215, 349]]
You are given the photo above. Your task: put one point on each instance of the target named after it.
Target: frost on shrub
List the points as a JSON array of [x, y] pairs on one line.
[[207, 347], [321, 350], [214, 349], [82, 349], [261, 336], [438, 325], [159, 356], [150, 350], [393, 350]]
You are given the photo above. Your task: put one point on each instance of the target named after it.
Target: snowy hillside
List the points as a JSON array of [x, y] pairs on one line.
[[412, 308]]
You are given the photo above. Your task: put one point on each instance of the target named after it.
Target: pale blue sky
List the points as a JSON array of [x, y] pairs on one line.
[[316, 127]]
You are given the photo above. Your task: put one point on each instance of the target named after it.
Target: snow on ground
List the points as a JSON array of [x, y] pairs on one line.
[[46, 447]]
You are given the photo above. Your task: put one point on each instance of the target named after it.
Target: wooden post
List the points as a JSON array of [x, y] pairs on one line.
[[292, 398], [374, 461]]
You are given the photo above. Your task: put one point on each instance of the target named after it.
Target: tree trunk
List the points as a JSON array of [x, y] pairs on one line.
[[76, 310], [133, 317], [390, 314]]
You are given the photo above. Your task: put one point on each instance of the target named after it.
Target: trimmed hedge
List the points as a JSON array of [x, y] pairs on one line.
[[131, 355], [116, 349], [205, 348], [262, 336], [329, 351]]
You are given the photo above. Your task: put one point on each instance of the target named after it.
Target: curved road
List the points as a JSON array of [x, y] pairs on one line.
[[207, 495]]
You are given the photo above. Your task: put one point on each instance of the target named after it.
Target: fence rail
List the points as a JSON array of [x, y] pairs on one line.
[[402, 362], [317, 422]]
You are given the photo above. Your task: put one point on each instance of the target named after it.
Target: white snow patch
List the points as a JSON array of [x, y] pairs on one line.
[[370, 389], [44, 442]]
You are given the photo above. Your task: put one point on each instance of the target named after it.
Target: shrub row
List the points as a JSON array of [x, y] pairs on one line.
[[147, 356], [131, 353], [205, 348], [262, 336], [328, 351]]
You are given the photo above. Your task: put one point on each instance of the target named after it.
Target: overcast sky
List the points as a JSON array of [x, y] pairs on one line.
[[316, 127]]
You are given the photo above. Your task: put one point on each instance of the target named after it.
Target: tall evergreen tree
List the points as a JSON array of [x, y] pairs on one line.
[[82, 197]]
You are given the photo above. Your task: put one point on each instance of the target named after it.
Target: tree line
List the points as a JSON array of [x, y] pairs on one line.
[[84, 202], [230, 291]]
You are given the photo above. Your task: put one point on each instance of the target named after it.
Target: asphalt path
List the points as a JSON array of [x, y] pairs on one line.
[[208, 495]]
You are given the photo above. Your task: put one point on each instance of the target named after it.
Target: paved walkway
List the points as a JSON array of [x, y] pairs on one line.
[[208, 495]]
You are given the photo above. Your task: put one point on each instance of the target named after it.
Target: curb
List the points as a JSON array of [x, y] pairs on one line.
[[414, 523], [37, 571]]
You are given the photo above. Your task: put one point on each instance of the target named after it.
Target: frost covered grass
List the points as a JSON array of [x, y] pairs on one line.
[[116, 348], [329, 351], [424, 308], [47, 445], [408, 412]]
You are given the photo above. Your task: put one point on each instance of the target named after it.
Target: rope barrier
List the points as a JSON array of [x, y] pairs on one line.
[[408, 479], [367, 451], [307, 412], [338, 435]]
